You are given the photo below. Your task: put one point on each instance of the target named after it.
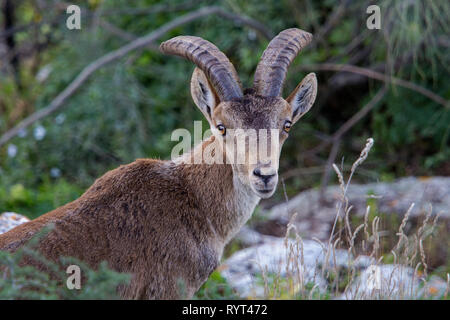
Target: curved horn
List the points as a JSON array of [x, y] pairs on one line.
[[210, 60], [272, 68]]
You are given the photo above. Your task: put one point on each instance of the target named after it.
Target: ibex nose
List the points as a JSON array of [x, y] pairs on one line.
[[265, 177]]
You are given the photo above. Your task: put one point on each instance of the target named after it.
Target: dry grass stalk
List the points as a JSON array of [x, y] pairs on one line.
[[404, 253]]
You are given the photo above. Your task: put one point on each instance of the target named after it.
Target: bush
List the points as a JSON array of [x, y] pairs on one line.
[[27, 282]]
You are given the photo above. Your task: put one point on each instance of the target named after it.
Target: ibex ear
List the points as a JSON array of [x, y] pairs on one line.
[[303, 96], [203, 93]]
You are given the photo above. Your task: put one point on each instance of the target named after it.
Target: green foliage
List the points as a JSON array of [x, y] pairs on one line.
[[27, 282], [286, 288], [215, 288], [33, 202]]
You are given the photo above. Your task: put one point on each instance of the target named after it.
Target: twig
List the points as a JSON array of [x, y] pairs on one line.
[[163, 8], [141, 42], [261, 28], [124, 35], [370, 74], [319, 169], [342, 130], [327, 170], [360, 114], [377, 76], [333, 19]]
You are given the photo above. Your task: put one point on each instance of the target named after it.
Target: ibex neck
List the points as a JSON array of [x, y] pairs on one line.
[[225, 202]]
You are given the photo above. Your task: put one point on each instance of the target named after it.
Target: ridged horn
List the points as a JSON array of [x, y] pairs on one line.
[[272, 68], [213, 62]]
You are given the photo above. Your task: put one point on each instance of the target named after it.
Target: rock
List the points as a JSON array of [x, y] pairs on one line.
[[434, 288], [384, 282], [10, 220], [394, 281], [244, 268], [249, 237], [315, 218]]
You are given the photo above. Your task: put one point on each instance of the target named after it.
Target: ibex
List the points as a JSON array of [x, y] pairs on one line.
[[169, 221]]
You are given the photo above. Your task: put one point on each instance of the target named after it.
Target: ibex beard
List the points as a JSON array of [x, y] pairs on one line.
[[167, 222]]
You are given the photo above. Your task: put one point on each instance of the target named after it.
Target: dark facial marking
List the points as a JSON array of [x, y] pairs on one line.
[[205, 97]]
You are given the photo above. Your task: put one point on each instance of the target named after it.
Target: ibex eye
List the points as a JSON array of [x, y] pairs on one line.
[[287, 126], [222, 129]]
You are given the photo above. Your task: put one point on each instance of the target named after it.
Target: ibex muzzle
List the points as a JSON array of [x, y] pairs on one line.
[[167, 222]]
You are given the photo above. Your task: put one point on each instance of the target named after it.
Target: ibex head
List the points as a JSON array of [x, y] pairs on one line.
[[216, 90]]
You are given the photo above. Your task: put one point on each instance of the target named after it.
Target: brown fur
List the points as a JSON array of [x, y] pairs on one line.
[[167, 222], [159, 221]]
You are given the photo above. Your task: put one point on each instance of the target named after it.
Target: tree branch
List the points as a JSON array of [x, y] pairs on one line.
[[348, 124], [258, 26], [377, 76], [141, 42], [336, 138]]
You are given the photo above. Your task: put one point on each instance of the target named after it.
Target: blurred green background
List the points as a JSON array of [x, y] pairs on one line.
[[129, 108]]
